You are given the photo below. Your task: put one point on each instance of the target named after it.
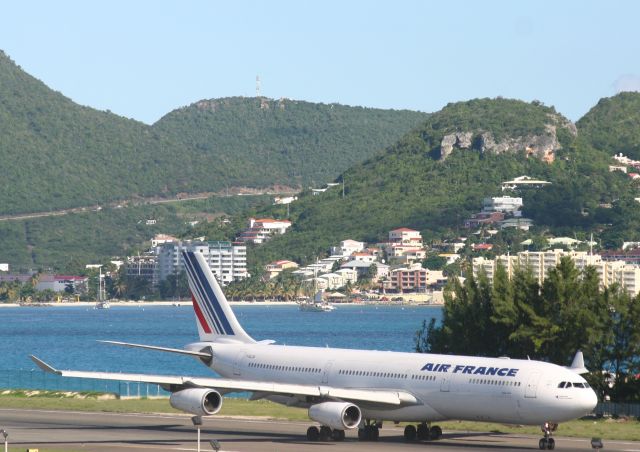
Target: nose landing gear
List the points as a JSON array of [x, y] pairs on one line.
[[547, 442]]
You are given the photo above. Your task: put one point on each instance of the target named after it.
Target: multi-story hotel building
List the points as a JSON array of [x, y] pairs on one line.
[[541, 262], [227, 260]]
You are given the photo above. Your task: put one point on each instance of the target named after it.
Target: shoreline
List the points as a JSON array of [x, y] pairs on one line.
[[91, 304]]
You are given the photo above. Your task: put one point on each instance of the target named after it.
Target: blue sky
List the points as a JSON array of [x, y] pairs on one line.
[[142, 59]]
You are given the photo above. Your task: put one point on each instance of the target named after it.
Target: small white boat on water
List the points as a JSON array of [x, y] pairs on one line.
[[316, 304], [102, 302], [102, 305]]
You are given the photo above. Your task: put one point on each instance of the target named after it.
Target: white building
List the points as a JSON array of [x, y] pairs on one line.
[[348, 275], [227, 261], [143, 266], [406, 236], [159, 239], [347, 248], [507, 204], [541, 262], [262, 229], [284, 199], [59, 283], [334, 280], [524, 182], [364, 257]]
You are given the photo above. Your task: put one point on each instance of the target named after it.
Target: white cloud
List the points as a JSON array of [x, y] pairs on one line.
[[627, 82]]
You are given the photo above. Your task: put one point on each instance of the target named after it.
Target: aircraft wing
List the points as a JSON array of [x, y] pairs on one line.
[[225, 385]]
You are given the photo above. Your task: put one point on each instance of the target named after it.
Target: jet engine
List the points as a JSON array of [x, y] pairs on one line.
[[198, 401], [337, 415]]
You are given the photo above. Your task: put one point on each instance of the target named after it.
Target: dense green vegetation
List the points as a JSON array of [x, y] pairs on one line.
[[262, 142], [613, 125], [518, 317], [66, 243], [504, 118], [406, 186], [56, 154]]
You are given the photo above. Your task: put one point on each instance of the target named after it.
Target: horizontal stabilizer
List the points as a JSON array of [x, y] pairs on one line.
[[44, 366], [162, 349], [577, 365]]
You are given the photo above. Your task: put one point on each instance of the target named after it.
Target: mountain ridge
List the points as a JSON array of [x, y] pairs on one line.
[[58, 154]]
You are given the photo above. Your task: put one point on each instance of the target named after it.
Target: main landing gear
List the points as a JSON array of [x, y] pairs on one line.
[[422, 432], [370, 431], [547, 442], [324, 433]]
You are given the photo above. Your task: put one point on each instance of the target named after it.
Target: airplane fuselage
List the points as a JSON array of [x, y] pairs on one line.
[[446, 386]]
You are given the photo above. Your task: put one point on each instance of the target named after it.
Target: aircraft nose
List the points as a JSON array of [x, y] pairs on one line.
[[589, 400]]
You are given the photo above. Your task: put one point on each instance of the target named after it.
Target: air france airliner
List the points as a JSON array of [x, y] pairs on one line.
[[358, 389]]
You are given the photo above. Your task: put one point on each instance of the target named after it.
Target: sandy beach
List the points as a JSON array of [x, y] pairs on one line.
[[91, 304]]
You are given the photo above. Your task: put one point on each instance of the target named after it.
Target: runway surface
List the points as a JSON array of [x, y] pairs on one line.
[[102, 432]]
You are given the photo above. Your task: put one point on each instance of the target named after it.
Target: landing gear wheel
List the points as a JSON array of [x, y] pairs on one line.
[[547, 442], [313, 434], [423, 432], [410, 433], [369, 432], [338, 435], [325, 433], [435, 432]]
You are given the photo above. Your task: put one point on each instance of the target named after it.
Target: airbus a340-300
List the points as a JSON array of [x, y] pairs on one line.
[[346, 389]]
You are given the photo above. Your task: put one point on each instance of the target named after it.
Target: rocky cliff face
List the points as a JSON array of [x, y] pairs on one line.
[[543, 146]]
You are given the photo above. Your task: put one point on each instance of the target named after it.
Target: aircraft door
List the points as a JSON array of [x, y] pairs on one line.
[[237, 363], [445, 383], [531, 389], [325, 373]]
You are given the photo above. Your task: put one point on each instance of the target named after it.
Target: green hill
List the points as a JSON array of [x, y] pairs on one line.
[[613, 125], [410, 184], [288, 142], [67, 243], [56, 154]]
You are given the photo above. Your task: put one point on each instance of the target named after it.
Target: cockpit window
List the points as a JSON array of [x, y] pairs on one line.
[[578, 385], [561, 385], [586, 385]]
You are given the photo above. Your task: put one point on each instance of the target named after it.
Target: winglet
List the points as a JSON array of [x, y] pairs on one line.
[[44, 366], [577, 365]]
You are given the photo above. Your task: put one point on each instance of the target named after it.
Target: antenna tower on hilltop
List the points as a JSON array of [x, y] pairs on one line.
[[257, 86]]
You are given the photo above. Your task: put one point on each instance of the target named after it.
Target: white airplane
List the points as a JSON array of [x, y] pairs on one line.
[[347, 389]]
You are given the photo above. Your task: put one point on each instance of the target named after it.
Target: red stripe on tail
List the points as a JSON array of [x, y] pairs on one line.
[[201, 319]]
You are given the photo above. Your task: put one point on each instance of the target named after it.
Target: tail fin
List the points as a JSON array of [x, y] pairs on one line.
[[577, 365], [215, 318]]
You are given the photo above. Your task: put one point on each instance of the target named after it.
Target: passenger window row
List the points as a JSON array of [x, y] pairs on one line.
[[568, 384], [364, 373], [424, 377], [485, 381], [285, 368]]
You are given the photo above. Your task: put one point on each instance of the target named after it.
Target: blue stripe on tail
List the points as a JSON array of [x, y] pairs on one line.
[[190, 266], [209, 298]]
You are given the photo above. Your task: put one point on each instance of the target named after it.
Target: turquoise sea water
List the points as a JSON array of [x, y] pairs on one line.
[[66, 337]]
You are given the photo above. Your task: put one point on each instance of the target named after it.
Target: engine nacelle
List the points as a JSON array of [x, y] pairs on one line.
[[337, 415], [198, 401]]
